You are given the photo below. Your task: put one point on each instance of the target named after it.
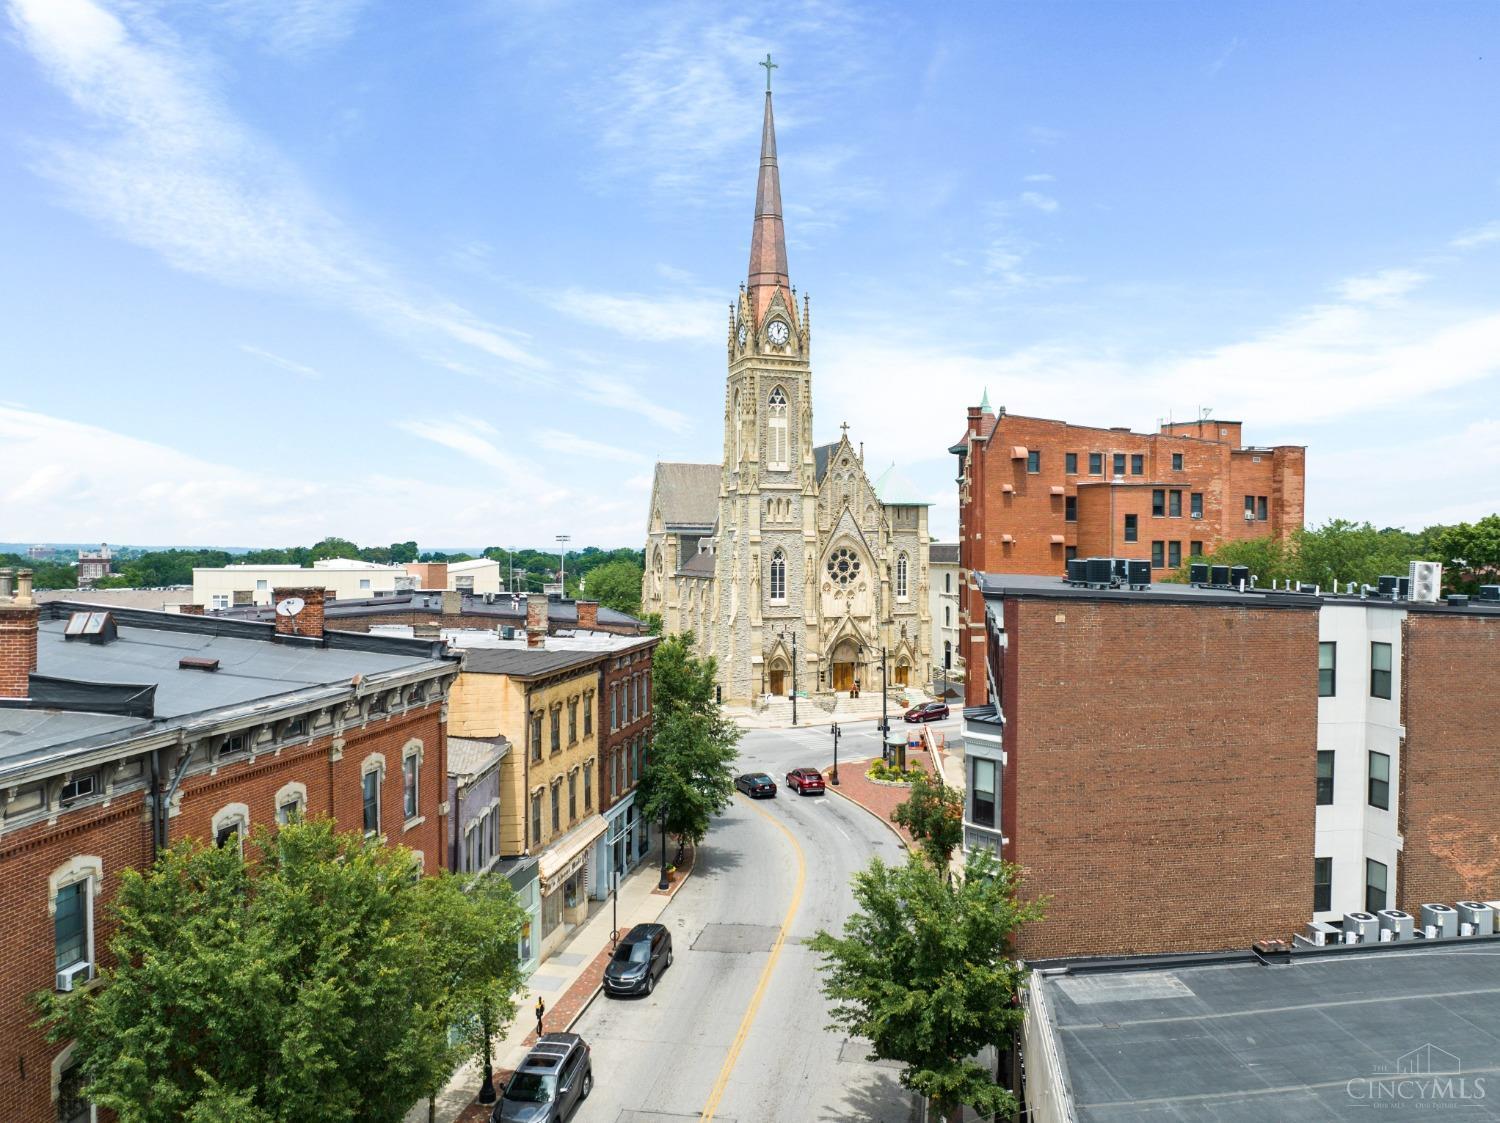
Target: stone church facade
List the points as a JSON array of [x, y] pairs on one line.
[[786, 561]]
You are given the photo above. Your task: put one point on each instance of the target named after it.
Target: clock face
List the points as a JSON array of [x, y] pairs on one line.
[[777, 333], [744, 331]]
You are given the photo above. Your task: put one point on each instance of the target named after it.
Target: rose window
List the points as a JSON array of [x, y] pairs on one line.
[[843, 566]]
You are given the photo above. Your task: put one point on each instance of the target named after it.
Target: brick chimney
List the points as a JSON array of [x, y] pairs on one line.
[[453, 602], [18, 618], [536, 619], [588, 615], [308, 622], [190, 610]]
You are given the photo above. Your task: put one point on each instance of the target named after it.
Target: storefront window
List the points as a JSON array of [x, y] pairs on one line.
[[552, 906]]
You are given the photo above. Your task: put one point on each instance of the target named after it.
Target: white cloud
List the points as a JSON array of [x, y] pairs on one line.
[[282, 362], [171, 169], [1036, 199], [1224, 56], [645, 317], [614, 393], [472, 437], [571, 444], [1383, 286], [292, 27], [1479, 236], [1040, 177]]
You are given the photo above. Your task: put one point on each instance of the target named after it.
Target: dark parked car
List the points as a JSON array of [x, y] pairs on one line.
[[928, 711], [805, 781], [756, 785], [556, 1076], [640, 957]]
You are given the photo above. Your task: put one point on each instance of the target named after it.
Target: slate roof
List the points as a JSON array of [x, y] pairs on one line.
[[532, 662], [942, 553], [468, 756], [821, 455], [560, 613], [688, 494], [700, 564]]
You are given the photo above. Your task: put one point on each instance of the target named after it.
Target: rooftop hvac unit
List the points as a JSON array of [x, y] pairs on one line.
[[1218, 575], [1388, 585], [1440, 921], [1304, 587], [1362, 926], [1138, 573], [1321, 934], [507, 631], [1426, 581], [1489, 592], [1198, 574], [1120, 569], [1479, 914], [1397, 923], [1077, 570], [1457, 600], [1098, 571], [1239, 575]]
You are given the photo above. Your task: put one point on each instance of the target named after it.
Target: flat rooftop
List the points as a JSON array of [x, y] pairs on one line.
[[1242, 1042], [504, 609]]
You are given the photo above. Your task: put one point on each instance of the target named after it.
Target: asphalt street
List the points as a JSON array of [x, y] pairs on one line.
[[737, 1029]]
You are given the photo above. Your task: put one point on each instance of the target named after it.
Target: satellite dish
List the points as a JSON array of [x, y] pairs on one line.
[[290, 607]]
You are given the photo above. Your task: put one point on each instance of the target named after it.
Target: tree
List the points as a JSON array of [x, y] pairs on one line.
[[933, 814], [616, 585], [926, 971], [680, 680], [1471, 553], [319, 982]]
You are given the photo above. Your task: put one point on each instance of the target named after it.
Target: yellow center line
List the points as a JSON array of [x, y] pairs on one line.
[[765, 976]]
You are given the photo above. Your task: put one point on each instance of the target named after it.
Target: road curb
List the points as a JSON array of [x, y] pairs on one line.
[[870, 811]]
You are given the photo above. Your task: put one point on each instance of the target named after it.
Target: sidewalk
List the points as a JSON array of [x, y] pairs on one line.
[[567, 981]]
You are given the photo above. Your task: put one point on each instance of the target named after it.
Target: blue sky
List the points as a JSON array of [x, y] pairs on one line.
[[459, 272]]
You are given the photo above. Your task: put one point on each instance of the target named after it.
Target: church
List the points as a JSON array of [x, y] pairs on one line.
[[786, 561]]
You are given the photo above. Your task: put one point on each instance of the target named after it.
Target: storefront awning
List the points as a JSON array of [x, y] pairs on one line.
[[566, 856]]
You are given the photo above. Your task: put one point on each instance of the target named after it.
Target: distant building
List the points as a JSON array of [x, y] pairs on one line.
[[40, 553], [431, 614], [478, 575], [104, 713], [94, 565], [943, 581]]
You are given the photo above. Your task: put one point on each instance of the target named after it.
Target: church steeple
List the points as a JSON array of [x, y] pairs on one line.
[[768, 238]]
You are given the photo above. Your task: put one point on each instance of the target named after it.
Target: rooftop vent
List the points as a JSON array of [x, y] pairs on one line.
[[197, 663], [92, 627]]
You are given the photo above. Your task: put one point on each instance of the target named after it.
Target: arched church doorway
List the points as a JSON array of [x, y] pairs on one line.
[[844, 666], [903, 673], [778, 678]]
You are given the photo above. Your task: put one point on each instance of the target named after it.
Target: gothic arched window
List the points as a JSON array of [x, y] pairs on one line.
[[901, 577], [777, 444], [778, 576], [738, 425]]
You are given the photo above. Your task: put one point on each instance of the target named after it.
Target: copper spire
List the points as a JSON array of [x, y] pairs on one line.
[[768, 239]]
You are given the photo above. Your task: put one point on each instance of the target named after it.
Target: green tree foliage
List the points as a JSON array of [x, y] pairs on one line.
[[1337, 551], [616, 585], [319, 982], [925, 969], [689, 776], [933, 814], [1470, 553]]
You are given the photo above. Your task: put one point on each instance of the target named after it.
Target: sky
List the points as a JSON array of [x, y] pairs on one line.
[[272, 270]]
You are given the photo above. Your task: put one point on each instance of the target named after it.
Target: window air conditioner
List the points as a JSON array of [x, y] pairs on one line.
[[1195, 515], [70, 977]]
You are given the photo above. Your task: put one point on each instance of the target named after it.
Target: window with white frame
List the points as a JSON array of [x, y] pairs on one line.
[[230, 825], [291, 803], [372, 773], [67, 1089], [778, 444], [901, 586], [72, 889], [218, 600], [778, 575], [411, 770]]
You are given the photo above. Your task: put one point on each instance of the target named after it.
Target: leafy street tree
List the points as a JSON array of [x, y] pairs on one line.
[[317, 982], [1337, 551], [1471, 553], [926, 971], [689, 777], [933, 813], [616, 585]]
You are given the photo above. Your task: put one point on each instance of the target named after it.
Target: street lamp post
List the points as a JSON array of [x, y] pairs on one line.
[[885, 724], [834, 779], [662, 884]]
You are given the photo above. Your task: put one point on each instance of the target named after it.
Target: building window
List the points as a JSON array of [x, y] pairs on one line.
[[573, 720], [556, 806], [1070, 463], [982, 802], [947, 655], [1174, 503], [371, 783], [614, 706], [1380, 781], [291, 803], [1174, 554], [230, 826], [72, 1107], [573, 796], [778, 575], [1070, 509], [1132, 529], [1375, 885], [218, 600], [1158, 555], [1137, 464], [1195, 548], [72, 930], [1260, 508], [1327, 668], [588, 787], [1380, 670], [1034, 461], [1070, 552], [1177, 462], [536, 734], [1322, 884], [1119, 463], [619, 772], [79, 787], [555, 727], [901, 590], [1158, 503], [947, 582], [1096, 463], [1195, 504], [947, 616], [777, 444], [588, 713], [536, 818], [410, 770], [1325, 777]]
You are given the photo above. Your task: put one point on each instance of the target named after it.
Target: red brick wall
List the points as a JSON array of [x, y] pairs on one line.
[[1160, 765], [120, 834], [17, 649], [307, 622], [611, 741], [1450, 770]]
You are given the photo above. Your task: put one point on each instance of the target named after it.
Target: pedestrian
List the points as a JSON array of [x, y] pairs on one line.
[[541, 1008], [856, 689]]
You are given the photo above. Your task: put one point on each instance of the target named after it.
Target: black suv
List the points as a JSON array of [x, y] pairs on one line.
[[640, 957], [556, 1076]]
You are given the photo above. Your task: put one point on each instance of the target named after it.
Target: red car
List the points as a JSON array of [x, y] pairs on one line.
[[928, 711], [805, 781]]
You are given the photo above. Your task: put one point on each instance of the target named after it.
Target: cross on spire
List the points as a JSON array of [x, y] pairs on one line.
[[845, 428], [770, 66]]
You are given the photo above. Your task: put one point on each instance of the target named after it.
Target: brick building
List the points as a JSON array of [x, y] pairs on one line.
[[1188, 768], [122, 732]]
